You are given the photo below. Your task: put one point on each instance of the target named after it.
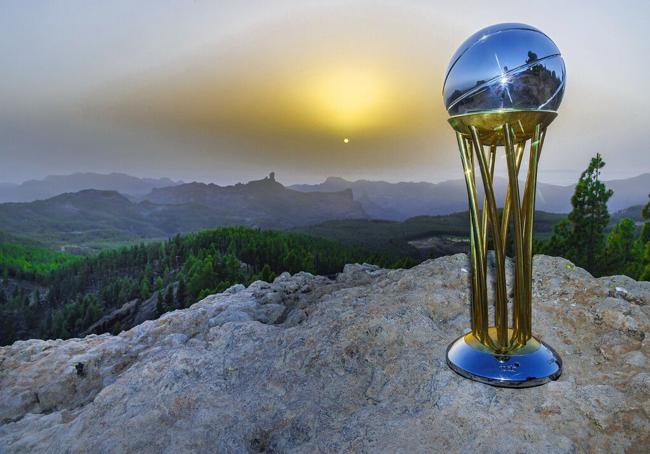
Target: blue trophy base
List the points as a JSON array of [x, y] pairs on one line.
[[532, 365]]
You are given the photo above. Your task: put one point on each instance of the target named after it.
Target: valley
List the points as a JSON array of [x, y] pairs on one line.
[[96, 261]]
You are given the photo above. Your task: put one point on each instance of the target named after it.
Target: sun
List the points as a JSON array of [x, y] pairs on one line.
[[346, 140]]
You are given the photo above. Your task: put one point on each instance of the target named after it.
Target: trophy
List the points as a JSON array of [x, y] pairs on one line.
[[502, 89]]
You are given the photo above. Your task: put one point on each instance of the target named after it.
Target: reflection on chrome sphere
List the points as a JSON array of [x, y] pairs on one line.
[[505, 66]]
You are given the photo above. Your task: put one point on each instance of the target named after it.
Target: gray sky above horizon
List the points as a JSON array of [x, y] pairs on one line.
[[228, 91]]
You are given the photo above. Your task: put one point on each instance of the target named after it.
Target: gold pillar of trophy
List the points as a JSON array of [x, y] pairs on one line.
[[500, 348], [480, 138]]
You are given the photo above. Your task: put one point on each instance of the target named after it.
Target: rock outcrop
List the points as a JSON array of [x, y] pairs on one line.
[[355, 364]]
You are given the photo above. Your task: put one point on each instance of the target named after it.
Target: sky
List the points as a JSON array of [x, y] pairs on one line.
[[228, 91]]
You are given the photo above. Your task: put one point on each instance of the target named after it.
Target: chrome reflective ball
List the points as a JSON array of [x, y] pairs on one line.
[[505, 66]]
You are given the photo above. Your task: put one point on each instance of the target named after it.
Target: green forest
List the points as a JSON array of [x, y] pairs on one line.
[[69, 294], [31, 262]]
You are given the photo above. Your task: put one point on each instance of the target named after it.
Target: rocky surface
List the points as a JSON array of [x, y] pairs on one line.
[[356, 364]]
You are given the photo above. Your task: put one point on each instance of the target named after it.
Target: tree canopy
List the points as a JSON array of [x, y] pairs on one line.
[[179, 272]]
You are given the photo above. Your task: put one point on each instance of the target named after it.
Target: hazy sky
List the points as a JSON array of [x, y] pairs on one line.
[[228, 91]]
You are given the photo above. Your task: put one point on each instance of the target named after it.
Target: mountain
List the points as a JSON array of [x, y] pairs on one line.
[[633, 212], [93, 217], [54, 185], [79, 218], [376, 199], [354, 364], [629, 192], [265, 203], [400, 201]]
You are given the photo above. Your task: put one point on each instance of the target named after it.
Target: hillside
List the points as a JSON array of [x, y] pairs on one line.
[[351, 364], [119, 288], [418, 237], [94, 219], [266, 201], [633, 212], [400, 201], [89, 218], [54, 185]]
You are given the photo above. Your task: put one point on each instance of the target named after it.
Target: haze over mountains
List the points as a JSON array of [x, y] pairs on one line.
[[53, 185], [379, 199], [91, 217], [400, 201], [101, 210]]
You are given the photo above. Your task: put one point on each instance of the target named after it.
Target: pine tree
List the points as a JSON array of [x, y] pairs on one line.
[[589, 219], [645, 263], [159, 304], [169, 298], [644, 244], [645, 231], [267, 273], [559, 243], [145, 290], [181, 292], [623, 254], [148, 272], [202, 277]]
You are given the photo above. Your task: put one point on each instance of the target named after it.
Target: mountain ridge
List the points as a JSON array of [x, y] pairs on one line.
[[53, 185], [403, 200], [92, 216], [265, 199], [378, 199]]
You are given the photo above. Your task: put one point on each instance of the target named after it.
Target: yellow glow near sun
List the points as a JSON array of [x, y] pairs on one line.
[[346, 99]]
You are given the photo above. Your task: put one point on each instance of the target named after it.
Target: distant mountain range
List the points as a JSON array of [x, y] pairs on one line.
[[400, 201], [377, 199], [265, 203], [96, 218], [54, 185]]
